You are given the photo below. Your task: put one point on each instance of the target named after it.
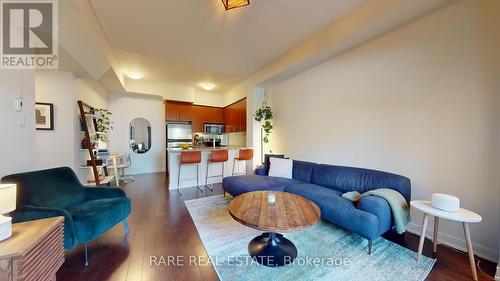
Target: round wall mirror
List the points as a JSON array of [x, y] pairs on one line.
[[140, 135]]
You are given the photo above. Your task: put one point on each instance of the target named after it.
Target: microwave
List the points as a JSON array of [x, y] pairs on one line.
[[212, 128]]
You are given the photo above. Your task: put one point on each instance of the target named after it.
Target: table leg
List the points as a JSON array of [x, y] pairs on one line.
[[435, 238], [470, 251], [117, 176], [422, 236], [272, 249]]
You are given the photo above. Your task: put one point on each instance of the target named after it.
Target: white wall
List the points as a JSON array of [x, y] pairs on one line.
[[417, 102], [209, 98], [125, 108], [56, 148], [17, 149], [91, 92]]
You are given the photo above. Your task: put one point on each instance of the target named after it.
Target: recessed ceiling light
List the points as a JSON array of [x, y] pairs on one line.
[[207, 86], [232, 4], [134, 75]]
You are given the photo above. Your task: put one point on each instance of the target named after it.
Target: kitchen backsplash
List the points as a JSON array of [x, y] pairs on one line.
[[237, 139]]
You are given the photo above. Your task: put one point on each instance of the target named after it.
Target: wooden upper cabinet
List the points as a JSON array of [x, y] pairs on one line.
[[172, 111], [186, 112], [197, 114], [205, 114], [235, 117]]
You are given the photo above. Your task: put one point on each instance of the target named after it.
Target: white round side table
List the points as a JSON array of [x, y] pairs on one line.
[[464, 216]]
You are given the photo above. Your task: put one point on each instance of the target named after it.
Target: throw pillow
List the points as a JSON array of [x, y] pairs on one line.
[[281, 168], [267, 162]]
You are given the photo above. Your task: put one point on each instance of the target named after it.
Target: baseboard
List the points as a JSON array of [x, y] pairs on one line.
[[455, 242]]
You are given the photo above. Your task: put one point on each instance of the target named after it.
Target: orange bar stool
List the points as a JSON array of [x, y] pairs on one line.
[[217, 156], [189, 158], [243, 155]]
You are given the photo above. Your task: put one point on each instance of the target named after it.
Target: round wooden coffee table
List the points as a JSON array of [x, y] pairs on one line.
[[290, 213]]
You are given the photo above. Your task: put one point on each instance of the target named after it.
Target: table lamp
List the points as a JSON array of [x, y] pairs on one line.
[[7, 205]]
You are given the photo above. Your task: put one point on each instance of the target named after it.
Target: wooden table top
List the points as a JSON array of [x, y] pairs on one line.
[[25, 235], [290, 212]]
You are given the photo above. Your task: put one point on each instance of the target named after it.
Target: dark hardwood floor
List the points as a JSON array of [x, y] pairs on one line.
[[160, 225]]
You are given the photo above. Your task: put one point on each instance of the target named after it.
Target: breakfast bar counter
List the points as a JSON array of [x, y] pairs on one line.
[[188, 178]]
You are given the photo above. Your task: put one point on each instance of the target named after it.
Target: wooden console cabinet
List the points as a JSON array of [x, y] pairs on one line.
[[34, 252]]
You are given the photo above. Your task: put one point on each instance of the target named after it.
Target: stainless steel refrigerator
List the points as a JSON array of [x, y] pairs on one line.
[[178, 133]]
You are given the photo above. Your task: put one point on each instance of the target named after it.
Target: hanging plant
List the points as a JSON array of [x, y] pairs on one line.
[[264, 115], [103, 125]]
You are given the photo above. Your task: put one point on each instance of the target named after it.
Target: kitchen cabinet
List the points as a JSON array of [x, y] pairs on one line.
[[172, 111], [177, 111], [205, 114], [197, 114], [235, 117], [186, 112]]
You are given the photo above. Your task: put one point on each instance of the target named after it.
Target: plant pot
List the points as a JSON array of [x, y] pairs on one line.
[[100, 145]]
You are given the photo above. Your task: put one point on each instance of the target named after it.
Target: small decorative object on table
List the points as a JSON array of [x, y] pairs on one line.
[[445, 202], [461, 215], [7, 205], [271, 198]]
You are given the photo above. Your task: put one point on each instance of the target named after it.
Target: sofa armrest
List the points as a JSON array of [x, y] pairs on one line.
[[25, 213], [380, 208], [93, 193], [260, 171]]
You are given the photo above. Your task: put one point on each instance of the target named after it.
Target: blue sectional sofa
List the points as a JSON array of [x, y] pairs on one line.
[[323, 184]]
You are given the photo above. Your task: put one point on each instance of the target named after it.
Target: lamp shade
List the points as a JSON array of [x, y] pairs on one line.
[[7, 198]]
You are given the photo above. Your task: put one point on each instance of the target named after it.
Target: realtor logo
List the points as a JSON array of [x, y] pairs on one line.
[[29, 34]]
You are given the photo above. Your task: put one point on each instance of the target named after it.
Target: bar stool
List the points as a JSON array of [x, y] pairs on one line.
[[217, 156], [189, 158], [243, 155]]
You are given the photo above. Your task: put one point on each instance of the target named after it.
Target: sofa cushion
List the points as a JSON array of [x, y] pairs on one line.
[[338, 210], [303, 170], [346, 179], [237, 185], [315, 192], [92, 218]]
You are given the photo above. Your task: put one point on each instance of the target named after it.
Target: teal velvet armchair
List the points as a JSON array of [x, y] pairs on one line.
[[87, 212]]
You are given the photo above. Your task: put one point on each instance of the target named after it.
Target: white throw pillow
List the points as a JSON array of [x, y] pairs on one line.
[[281, 168]]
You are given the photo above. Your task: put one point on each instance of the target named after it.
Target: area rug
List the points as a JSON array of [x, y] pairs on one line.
[[325, 252]]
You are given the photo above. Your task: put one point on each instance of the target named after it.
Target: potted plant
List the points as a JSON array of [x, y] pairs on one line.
[[103, 126], [264, 115]]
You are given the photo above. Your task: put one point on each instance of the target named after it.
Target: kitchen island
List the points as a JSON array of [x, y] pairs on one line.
[[188, 178]]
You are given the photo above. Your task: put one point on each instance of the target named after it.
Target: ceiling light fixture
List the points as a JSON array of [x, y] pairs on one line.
[[232, 4], [134, 75], [207, 86]]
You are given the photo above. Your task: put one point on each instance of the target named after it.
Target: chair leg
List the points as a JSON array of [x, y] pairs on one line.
[[179, 181], [125, 225], [86, 255], [370, 242], [197, 176], [206, 178]]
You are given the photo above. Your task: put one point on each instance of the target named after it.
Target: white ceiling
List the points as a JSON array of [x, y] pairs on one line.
[[191, 41]]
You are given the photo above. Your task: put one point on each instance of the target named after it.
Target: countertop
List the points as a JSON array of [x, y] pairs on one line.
[[174, 150]]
